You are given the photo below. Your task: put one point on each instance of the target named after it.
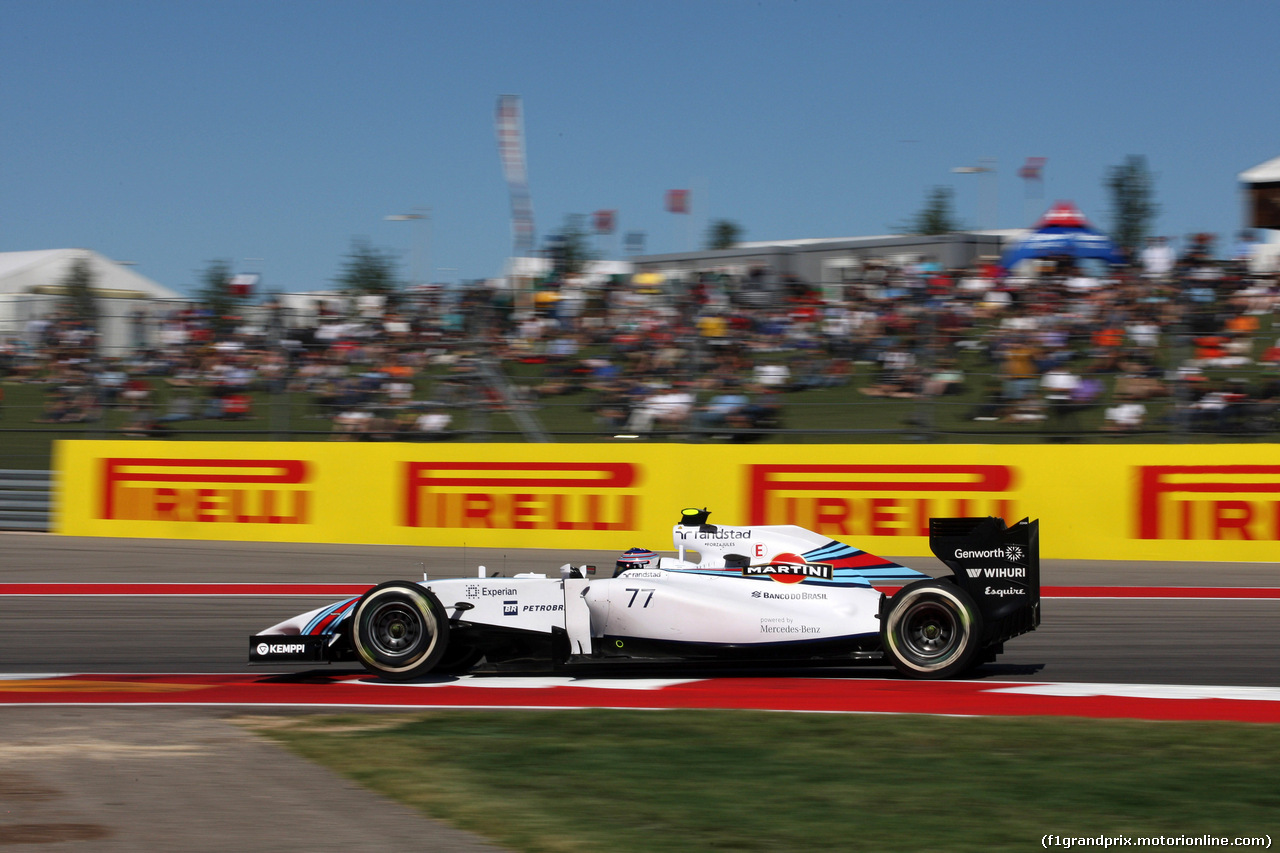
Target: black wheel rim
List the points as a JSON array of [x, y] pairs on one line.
[[397, 630], [930, 631]]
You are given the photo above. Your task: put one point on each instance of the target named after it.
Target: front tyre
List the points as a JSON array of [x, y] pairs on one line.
[[400, 630], [931, 630]]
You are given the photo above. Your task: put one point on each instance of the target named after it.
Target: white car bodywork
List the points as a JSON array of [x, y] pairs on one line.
[[764, 592], [650, 604]]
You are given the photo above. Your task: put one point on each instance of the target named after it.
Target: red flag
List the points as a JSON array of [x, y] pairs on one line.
[[677, 201], [603, 220], [242, 285], [1032, 168]]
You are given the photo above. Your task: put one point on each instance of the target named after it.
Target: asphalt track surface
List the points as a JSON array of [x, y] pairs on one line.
[[1114, 640], [138, 778]]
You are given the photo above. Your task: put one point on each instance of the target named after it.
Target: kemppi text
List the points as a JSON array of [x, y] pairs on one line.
[[830, 499], [1226, 502], [521, 495], [239, 491]]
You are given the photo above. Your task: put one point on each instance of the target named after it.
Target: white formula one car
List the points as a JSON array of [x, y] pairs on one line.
[[765, 593]]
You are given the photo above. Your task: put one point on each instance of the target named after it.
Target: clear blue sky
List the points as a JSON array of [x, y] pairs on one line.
[[174, 132]]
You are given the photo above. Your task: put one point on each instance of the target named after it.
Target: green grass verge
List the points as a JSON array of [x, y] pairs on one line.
[[746, 781]]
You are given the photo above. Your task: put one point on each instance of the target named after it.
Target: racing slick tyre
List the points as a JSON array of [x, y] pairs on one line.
[[400, 630], [931, 629]]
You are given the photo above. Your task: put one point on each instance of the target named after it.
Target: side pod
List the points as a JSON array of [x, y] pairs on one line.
[[996, 564]]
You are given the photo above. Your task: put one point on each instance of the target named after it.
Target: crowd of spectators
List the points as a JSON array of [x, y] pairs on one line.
[[1172, 342]]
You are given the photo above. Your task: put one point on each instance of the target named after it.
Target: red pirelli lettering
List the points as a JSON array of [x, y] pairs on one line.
[[1161, 514], [774, 496], [204, 490], [520, 495]]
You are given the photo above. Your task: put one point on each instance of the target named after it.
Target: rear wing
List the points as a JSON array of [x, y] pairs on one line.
[[998, 565]]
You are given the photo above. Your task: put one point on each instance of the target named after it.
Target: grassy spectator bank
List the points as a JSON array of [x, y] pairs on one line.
[[843, 414], [902, 355]]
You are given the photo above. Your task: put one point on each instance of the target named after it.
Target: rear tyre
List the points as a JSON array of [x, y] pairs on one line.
[[932, 630], [400, 630]]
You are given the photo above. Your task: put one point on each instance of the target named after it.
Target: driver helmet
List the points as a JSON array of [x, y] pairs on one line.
[[635, 558]]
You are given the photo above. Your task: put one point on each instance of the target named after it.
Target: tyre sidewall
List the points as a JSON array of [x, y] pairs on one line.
[[418, 602], [918, 597]]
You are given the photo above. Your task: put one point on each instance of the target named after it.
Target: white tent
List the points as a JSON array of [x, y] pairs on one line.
[[1264, 173], [31, 287], [42, 271], [1262, 210]]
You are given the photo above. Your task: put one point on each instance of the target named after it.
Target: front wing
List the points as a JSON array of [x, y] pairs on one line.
[[282, 648]]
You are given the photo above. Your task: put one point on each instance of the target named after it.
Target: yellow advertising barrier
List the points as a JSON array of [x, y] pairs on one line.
[[1151, 502]]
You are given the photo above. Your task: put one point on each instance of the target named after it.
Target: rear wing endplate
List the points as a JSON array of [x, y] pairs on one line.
[[998, 565]]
